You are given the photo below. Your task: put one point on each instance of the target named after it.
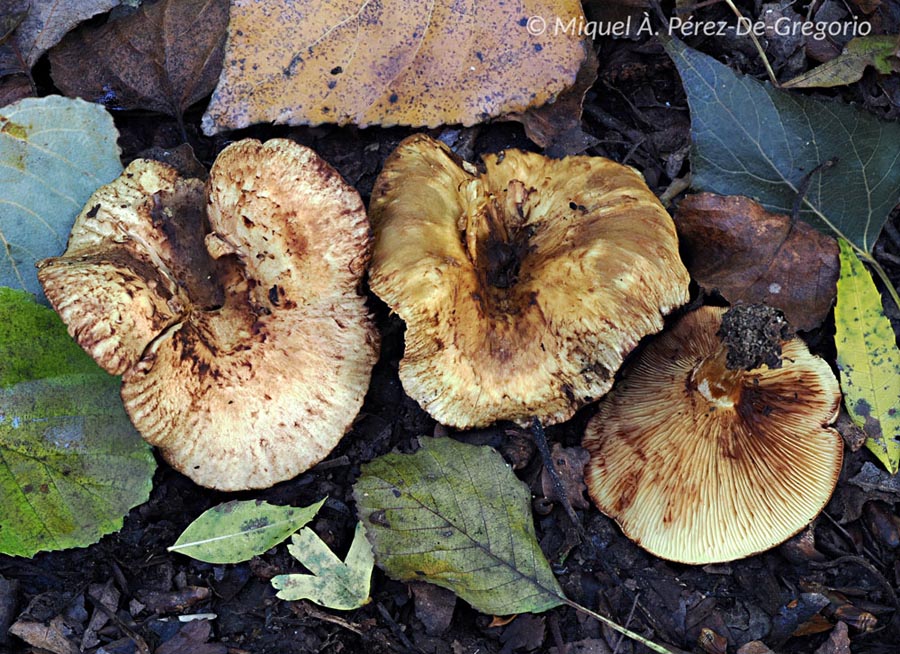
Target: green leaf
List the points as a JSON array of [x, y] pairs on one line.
[[71, 464], [868, 359], [336, 584], [456, 516], [751, 139], [861, 52], [54, 152], [239, 530]]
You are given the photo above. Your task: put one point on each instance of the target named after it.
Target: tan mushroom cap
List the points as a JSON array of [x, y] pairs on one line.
[[522, 288], [701, 464], [245, 347]]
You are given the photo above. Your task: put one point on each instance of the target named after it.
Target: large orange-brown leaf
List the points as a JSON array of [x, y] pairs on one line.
[[164, 57], [393, 62], [732, 244]]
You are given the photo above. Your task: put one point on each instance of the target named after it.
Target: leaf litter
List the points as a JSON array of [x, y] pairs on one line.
[[652, 579]]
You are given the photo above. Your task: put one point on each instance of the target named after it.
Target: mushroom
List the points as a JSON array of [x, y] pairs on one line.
[[702, 464], [244, 345], [523, 287]]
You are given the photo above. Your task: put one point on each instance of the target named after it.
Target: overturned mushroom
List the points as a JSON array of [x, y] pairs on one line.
[[523, 287], [699, 463], [244, 346]]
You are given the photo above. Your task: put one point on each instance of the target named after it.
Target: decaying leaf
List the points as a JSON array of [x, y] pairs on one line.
[[394, 62], [46, 175], [71, 464], [751, 139], [164, 57], [455, 515], [880, 51], [556, 126], [336, 584], [47, 21], [732, 244], [569, 462], [239, 530], [868, 359]]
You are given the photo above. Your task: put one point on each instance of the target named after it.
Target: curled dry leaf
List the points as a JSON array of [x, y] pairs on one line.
[[165, 57], [732, 244], [395, 62]]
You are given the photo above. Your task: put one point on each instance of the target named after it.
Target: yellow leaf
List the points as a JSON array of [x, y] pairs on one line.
[[868, 359], [394, 62]]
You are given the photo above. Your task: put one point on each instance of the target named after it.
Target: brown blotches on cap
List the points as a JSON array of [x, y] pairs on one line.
[[238, 386], [522, 288]]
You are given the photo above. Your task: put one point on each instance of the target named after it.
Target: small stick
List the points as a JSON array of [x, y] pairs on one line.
[[540, 440]]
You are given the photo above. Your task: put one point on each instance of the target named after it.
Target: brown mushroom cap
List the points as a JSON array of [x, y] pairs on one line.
[[522, 288], [701, 464], [244, 346]]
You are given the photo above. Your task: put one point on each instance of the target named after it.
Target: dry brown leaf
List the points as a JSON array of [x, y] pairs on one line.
[[556, 126], [47, 21], [570, 462], [164, 57], [394, 62], [838, 642], [732, 244]]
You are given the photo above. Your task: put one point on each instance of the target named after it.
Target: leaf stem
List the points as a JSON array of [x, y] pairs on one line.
[[888, 284], [615, 627], [757, 44]]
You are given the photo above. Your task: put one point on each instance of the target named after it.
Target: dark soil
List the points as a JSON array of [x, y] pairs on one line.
[[845, 568]]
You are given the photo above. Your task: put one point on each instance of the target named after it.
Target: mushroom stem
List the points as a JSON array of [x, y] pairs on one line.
[[495, 242], [717, 384], [540, 440]]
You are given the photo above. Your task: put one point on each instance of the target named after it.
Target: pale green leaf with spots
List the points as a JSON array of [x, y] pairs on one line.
[[335, 584], [54, 152], [456, 516], [868, 359], [239, 530], [71, 464]]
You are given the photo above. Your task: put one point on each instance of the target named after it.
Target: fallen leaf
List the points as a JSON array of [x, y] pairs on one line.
[[46, 176], [335, 584], [556, 126], [454, 515], [587, 646], [526, 633], [732, 244], [164, 57], [868, 359], [394, 62], [838, 642], [434, 607], [878, 51], [239, 530], [47, 21], [192, 639], [55, 637], [108, 596], [71, 464], [751, 139], [570, 462]]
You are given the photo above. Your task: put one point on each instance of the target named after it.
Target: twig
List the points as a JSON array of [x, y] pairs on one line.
[[135, 637], [634, 605], [858, 560], [757, 44], [540, 439]]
